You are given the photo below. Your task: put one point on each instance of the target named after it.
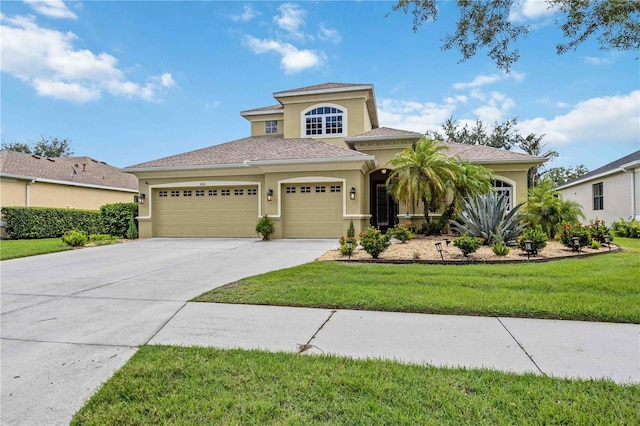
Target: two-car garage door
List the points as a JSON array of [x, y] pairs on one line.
[[206, 211]]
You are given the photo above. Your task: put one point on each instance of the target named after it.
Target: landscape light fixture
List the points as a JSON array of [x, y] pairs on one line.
[[607, 241], [270, 194], [439, 248], [528, 247], [352, 193], [575, 242], [447, 241], [349, 247]]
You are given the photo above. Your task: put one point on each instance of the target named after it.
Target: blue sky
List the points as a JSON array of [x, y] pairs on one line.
[[129, 82]]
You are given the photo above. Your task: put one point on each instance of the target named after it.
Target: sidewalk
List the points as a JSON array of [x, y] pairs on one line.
[[571, 349]]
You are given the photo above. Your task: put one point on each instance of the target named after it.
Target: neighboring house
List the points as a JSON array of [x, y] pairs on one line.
[[66, 182], [314, 161], [610, 192]]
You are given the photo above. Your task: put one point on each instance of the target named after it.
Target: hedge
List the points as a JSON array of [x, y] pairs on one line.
[[46, 222]]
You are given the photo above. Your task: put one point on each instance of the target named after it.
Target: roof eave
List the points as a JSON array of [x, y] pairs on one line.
[[287, 94], [621, 169], [356, 139], [263, 112], [69, 183], [172, 168]]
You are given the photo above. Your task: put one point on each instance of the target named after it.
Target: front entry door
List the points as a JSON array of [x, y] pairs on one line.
[[384, 210]]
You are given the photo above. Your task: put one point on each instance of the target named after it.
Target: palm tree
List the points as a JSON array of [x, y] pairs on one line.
[[545, 207], [471, 180], [533, 145], [422, 172]]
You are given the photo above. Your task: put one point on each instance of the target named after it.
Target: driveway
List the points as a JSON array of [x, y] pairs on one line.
[[70, 319]]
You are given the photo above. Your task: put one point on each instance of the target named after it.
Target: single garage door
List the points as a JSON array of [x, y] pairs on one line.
[[206, 212], [312, 210]]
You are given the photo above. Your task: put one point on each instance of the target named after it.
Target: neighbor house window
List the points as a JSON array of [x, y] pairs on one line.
[[598, 196], [271, 126], [324, 121], [503, 188]]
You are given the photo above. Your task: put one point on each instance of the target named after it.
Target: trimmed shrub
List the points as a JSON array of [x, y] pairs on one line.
[[75, 238], [401, 232], [373, 241], [467, 244], [537, 235], [132, 231], [46, 222], [597, 230], [628, 229], [265, 227], [115, 218], [568, 232]]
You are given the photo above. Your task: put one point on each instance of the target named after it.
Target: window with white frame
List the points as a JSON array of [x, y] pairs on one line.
[[598, 196], [271, 127], [503, 188], [324, 120]]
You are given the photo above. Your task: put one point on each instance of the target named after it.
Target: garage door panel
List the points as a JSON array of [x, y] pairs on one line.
[[312, 210], [206, 212]]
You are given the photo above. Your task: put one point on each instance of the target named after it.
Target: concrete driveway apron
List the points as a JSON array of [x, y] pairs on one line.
[[70, 319]]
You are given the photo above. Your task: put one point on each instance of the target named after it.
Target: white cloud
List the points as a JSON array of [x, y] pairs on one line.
[[530, 10], [329, 34], [415, 116], [293, 59], [291, 18], [593, 60], [483, 80], [51, 8], [247, 15], [496, 109], [211, 105], [606, 120], [48, 60]]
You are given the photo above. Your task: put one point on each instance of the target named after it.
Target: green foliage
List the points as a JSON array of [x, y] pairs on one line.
[[75, 238], [502, 135], [344, 245], [265, 227], [115, 218], [487, 25], [468, 244], [12, 249], [629, 229], [545, 207], [132, 230], [569, 231], [486, 216], [500, 249], [373, 241], [401, 233], [47, 146], [432, 228], [44, 222], [351, 232], [595, 244], [536, 235], [598, 229], [561, 175]]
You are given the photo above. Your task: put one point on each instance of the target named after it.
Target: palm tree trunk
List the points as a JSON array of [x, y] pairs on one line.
[[426, 210]]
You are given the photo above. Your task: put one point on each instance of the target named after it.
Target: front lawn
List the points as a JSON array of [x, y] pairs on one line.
[[600, 288], [171, 385], [11, 249]]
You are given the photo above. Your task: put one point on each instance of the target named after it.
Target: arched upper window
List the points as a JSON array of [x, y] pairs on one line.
[[503, 188], [324, 120]]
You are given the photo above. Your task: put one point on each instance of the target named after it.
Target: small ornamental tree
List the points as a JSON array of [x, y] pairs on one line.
[[132, 231]]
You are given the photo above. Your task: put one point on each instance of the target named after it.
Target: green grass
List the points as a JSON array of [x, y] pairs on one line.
[[11, 249], [171, 385], [599, 288]]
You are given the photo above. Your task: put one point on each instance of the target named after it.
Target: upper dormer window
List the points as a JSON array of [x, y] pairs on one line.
[[270, 127], [324, 120]]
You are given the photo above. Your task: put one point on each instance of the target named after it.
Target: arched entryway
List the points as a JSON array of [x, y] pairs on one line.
[[383, 208]]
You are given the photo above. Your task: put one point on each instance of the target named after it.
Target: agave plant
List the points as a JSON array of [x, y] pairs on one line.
[[486, 216]]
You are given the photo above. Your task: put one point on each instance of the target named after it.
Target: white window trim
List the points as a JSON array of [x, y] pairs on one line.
[[345, 120], [265, 127], [511, 182]]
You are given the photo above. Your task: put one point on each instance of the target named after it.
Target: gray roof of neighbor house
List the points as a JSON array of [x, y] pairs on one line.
[[254, 150], [632, 159], [83, 171]]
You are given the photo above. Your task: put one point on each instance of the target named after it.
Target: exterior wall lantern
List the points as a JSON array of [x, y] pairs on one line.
[[439, 248], [139, 199], [352, 193], [270, 194], [383, 171]]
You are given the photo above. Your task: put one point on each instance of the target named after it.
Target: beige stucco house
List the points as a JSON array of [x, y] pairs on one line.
[[609, 192], [313, 162], [68, 182]]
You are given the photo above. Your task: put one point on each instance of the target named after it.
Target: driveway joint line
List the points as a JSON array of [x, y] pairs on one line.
[[521, 347], [308, 345], [165, 323], [107, 345]]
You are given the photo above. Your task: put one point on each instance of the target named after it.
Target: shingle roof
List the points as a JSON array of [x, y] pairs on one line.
[[323, 86], [634, 156], [277, 108], [255, 148], [385, 132], [487, 154], [78, 170]]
